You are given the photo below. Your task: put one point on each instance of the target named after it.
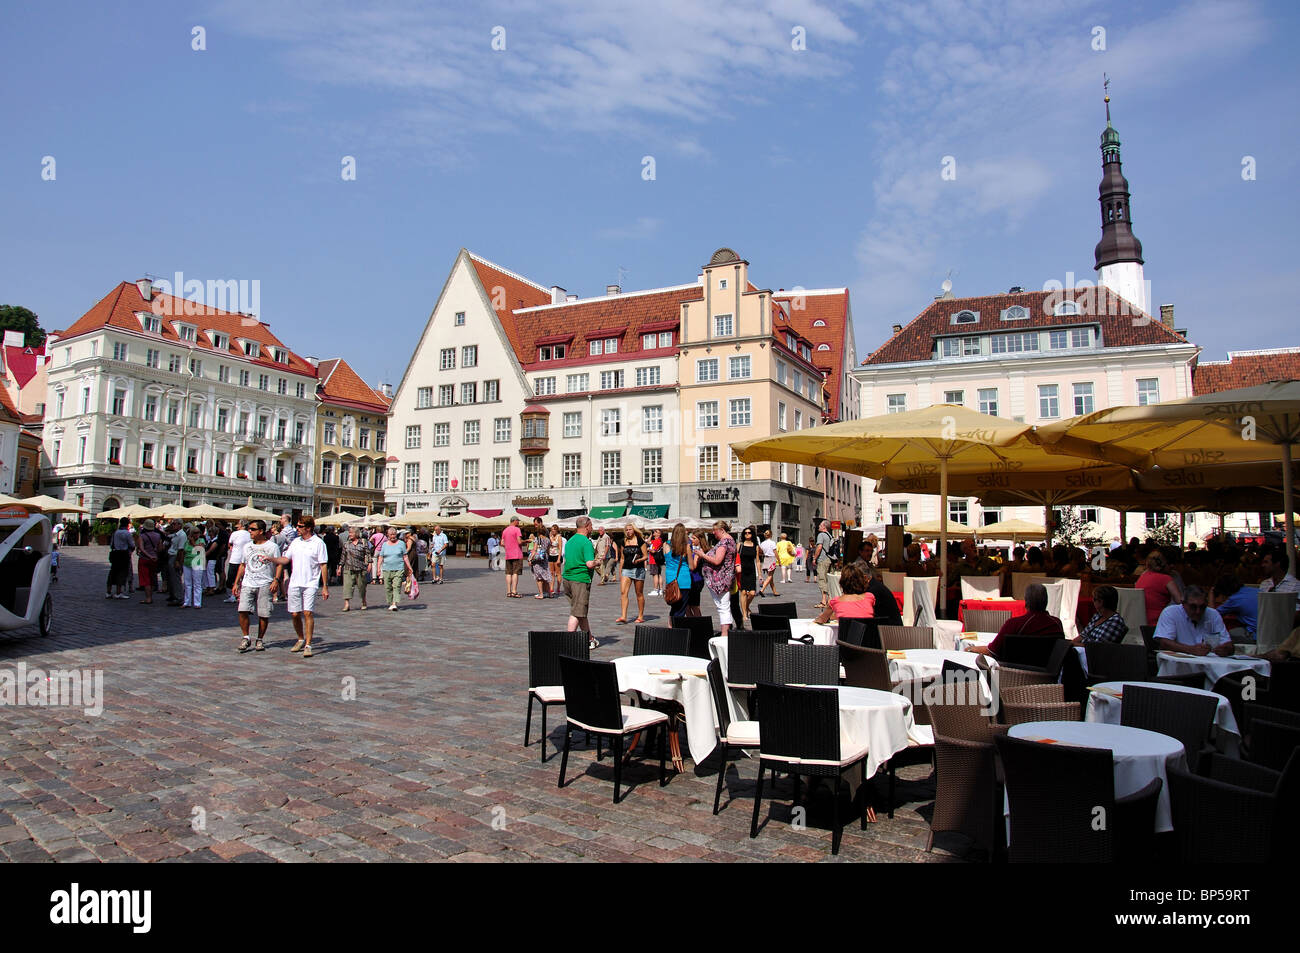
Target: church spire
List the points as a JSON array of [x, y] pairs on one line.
[[1118, 255]]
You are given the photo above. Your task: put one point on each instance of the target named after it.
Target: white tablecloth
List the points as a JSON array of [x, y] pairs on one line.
[[1139, 755], [925, 663], [641, 673], [827, 634], [1212, 667], [964, 640], [1104, 704], [880, 720]]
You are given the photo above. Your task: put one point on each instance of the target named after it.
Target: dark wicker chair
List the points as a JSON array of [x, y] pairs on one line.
[[861, 632], [749, 657], [701, 630], [544, 679], [1187, 681], [1109, 662], [660, 640], [1023, 712], [1231, 813], [1271, 743], [800, 730], [769, 623], [1030, 651], [984, 620], [1241, 688], [1284, 685], [592, 705], [966, 794], [1054, 791], [1033, 694], [966, 721], [865, 668], [897, 638], [1179, 715], [733, 736], [1009, 676], [786, 609], [806, 665], [1073, 678]]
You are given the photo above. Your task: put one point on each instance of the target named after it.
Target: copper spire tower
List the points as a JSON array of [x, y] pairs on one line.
[[1119, 253]]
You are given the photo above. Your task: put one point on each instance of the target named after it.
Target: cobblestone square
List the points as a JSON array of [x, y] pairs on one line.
[[401, 739]]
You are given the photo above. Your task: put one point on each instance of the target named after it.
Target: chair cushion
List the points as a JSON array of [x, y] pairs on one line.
[[743, 734], [550, 694], [634, 719], [845, 759]]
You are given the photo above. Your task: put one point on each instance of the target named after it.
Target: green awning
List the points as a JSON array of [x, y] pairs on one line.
[[607, 512], [655, 511]]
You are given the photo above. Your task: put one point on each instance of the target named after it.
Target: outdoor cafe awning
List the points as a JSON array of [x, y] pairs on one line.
[[652, 511], [608, 512]]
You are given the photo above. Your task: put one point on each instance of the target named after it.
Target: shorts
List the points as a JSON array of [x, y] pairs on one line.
[[302, 598], [723, 604], [514, 567], [634, 573], [256, 597], [438, 560], [823, 567], [579, 594]]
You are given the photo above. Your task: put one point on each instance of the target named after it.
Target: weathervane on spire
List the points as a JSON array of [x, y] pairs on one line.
[[1105, 85]]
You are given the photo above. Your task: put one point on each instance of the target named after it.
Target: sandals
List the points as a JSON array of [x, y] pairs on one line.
[[620, 621], [245, 644], [634, 621], [260, 646]]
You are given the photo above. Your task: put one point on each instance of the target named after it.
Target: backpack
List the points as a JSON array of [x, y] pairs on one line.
[[837, 548]]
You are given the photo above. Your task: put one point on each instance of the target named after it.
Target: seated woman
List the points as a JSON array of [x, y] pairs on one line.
[[1106, 624], [856, 602]]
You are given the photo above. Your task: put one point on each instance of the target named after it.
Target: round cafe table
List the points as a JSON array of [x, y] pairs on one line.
[[966, 640], [1105, 700], [1017, 606], [925, 663], [675, 678], [1139, 755], [882, 722], [1212, 667], [827, 634]]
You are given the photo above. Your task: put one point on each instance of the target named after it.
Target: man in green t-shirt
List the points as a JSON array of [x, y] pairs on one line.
[[579, 560]]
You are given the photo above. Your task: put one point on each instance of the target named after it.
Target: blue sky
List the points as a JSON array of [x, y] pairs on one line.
[[821, 166]]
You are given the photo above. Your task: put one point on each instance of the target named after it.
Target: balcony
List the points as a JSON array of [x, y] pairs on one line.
[[534, 446]]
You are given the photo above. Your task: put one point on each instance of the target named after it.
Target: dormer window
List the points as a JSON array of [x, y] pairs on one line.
[[250, 348], [186, 332], [1066, 307], [219, 341], [1016, 313], [819, 323], [806, 351], [966, 317], [543, 353], [150, 322], [280, 356], [823, 347]]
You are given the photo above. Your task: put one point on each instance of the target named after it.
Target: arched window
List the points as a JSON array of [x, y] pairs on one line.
[[965, 317], [1066, 307]]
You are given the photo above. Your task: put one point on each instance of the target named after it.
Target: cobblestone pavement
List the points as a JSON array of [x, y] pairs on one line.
[[202, 754]]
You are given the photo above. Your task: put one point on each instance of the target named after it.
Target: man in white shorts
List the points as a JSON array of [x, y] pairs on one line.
[[254, 582], [308, 560], [235, 546]]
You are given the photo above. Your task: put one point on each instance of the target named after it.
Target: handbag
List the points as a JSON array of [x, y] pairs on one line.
[[672, 593]]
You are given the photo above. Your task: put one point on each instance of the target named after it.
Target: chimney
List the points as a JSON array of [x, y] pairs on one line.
[[570, 297], [613, 290], [386, 390], [314, 361], [897, 328], [146, 288], [557, 294], [1167, 315]]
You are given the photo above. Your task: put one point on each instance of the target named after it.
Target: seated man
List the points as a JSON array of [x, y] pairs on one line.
[[1288, 651], [1191, 627], [1106, 624], [1035, 621], [1232, 598]]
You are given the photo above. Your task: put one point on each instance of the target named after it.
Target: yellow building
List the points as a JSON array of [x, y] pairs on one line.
[[351, 442], [745, 371]]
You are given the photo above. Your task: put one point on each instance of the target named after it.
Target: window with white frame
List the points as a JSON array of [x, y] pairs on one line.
[[898, 514], [611, 380], [1015, 313], [491, 391], [501, 430], [223, 375], [174, 367], [966, 317], [447, 358], [577, 383], [471, 433], [780, 415], [152, 357], [611, 468], [263, 381], [469, 474], [665, 338], [740, 412], [895, 403], [442, 435], [118, 406], [706, 370], [1148, 392], [469, 392], [611, 345], [460, 319], [469, 355], [115, 451], [327, 471], [988, 400], [1156, 520], [330, 435], [147, 455], [652, 419], [991, 515], [196, 415], [706, 414], [535, 427], [571, 470], [1049, 401], [959, 512], [1015, 343], [501, 473], [381, 441], [961, 347], [1083, 398], [573, 424], [412, 437], [647, 376], [543, 386], [446, 394], [780, 372], [649, 342], [187, 333], [424, 397], [1066, 307], [708, 463], [652, 465], [798, 420], [740, 470], [243, 378], [596, 347], [722, 325], [533, 472], [119, 351], [412, 478], [739, 367], [611, 422], [957, 397], [345, 473]]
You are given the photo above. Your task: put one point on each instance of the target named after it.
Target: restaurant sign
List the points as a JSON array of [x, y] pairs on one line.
[[726, 493], [532, 501]]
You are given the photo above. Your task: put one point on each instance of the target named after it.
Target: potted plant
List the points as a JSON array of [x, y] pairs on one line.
[[171, 468], [261, 479], [221, 473], [243, 474], [146, 466], [102, 530]]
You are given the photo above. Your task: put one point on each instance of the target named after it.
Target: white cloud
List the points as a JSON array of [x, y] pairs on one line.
[[641, 228]]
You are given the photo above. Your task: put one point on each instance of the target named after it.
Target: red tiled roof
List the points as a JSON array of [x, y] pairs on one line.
[[833, 309], [7, 409], [516, 293], [1122, 324], [339, 382], [23, 362], [592, 319], [118, 309], [1246, 369]]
